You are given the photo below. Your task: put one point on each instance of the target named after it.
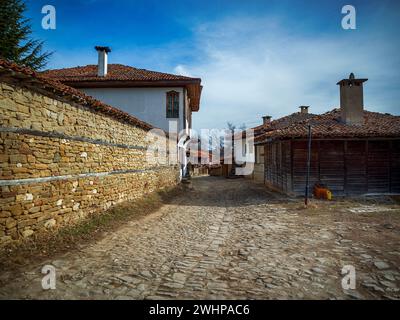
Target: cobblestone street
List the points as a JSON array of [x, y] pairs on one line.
[[231, 239]]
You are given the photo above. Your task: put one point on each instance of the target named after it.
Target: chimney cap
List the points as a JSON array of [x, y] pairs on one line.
[[267, 117], [101, 48], [351, 80], [304, 109]]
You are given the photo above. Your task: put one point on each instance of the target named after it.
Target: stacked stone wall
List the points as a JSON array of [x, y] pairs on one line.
[[60, 162]]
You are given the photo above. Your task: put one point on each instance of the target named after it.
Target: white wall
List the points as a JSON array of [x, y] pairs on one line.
[[260, 154], [147, 104]]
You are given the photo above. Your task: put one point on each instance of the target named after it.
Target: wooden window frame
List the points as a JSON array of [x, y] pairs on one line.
[[174, 113]]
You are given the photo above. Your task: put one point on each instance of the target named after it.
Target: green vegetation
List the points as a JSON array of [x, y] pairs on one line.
[[16, 43]]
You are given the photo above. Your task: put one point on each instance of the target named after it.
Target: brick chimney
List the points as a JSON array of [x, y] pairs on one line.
[[304, 109], [352, 100], [266, 120], [102, 61]]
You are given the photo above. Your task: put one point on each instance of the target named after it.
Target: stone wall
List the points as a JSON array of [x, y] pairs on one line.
[[61, 161]]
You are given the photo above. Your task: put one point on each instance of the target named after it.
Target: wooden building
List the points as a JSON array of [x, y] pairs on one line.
[[353, 151], [268, 125]]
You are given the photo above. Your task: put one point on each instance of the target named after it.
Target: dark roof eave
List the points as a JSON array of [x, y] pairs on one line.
[[128, 83], [352, 81], [329, 137]]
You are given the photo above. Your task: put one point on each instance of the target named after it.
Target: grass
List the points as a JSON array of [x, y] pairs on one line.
[[48, 244]]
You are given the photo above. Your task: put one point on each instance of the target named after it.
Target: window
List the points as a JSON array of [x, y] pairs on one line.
[[172, 104]]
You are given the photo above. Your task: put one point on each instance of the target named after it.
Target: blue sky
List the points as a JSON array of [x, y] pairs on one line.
[[254, 57]]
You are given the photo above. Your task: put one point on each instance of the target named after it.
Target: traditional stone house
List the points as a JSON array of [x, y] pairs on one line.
[[353, 151], [154, 97]]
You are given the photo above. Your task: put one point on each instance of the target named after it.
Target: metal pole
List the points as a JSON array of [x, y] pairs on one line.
[[308, 165]]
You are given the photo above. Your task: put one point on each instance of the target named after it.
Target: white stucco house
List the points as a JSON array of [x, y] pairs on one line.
[[151, 96]]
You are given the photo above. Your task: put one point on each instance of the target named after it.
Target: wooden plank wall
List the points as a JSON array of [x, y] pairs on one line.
[[278, 165], [299, 162], [356, 165], [287, 165], [378, 169], [395, 167], [347, 167], [332, 168]]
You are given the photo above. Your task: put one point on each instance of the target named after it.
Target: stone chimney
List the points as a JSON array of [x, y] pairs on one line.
[[304, 109], [266, 120], [102, 62], [352, 100]]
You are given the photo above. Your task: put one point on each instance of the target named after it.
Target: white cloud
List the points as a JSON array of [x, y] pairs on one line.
[[251, 68], [182, 70]]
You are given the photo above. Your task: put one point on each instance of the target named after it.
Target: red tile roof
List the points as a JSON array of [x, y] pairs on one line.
[[259, 129], [329, 125], [116, 72], [290, 119], [38, 82], [119, 75], [281, 122]]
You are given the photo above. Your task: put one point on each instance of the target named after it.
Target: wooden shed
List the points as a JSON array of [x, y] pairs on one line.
[[353, 151], [346, 166]]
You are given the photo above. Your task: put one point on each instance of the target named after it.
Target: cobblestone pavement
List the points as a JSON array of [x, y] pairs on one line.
[[231, 239]]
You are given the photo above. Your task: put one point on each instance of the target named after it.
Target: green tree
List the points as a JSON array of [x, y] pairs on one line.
[[15, 37]]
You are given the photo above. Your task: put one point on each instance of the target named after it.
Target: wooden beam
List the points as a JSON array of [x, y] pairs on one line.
[[319, 160], [345, 191], [390, 164], [291, 165], [366, 162]]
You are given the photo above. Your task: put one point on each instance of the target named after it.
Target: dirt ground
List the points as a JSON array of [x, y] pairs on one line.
[[231, 239]]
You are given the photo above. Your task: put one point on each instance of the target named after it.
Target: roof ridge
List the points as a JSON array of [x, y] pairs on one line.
[[63, 72]]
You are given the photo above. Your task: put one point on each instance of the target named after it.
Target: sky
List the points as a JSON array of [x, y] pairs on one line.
[[255, 58]]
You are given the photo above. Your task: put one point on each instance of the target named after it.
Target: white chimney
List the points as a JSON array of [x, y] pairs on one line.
[[352, 100], [304, 109], [102, 62], [266, 120]]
